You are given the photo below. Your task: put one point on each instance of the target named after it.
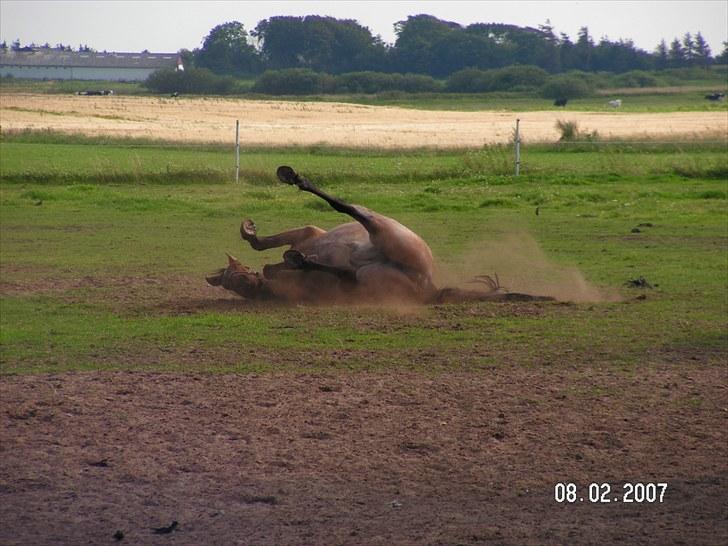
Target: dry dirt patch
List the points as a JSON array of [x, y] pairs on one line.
[[361, 459], [277, 123]]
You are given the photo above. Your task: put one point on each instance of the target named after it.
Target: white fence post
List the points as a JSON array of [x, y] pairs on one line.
[[518, 147], [237, 150]]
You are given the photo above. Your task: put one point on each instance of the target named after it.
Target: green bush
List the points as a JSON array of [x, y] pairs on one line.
[[636, 78], [293, 81], [364, 82], [518, 77], [302, 81], [193, 80], [565, 87], [510, 78], [469, 80], [415, 83]]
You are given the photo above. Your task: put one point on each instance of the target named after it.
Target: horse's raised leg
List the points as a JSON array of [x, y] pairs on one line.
[[364, 216], [396, 242], [292, 237]]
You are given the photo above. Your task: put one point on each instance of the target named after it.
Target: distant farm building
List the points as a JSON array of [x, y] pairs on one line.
[[59, 64]]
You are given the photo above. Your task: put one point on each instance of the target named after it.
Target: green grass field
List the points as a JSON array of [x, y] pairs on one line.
[[104, 249]]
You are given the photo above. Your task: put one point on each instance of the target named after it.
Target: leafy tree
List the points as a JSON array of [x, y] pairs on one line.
[[319, 43], [225, 50], [188, 57], [723, 57], [419, 38]]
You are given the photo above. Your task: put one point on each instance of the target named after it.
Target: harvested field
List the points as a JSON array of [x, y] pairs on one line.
[[277, 123]]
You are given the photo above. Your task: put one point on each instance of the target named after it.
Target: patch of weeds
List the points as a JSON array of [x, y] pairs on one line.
[[592, 197], [710, 194], [497, 202], [570, 132], [715, 169]]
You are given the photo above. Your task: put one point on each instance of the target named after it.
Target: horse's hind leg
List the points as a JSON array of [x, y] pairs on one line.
[[292, 237], [364, 216]]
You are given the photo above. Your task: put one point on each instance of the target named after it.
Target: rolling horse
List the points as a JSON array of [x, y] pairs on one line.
[[374, 258]]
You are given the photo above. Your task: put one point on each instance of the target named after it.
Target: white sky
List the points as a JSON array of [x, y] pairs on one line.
[[133, 25]]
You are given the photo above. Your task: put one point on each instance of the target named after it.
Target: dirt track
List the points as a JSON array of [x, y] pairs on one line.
[[277, 123], [362, 459]]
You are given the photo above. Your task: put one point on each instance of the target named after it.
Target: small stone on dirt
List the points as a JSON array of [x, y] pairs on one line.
[[165, 530], [103, 463]]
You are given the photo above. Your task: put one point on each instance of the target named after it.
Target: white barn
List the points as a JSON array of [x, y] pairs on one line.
[[56, 64]]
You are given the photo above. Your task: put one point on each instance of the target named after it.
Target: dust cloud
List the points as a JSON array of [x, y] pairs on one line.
[[521, 266]]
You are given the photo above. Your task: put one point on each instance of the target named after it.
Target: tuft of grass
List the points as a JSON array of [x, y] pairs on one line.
[[570, 132]]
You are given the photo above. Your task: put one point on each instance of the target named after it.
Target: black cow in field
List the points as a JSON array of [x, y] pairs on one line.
[[715, 96], [560, 102], [96, 92]]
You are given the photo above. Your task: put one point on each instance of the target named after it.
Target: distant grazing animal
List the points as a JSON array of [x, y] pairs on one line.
[[715, 96], [615, 103], [374, 258], [560, 102], [174, 95]]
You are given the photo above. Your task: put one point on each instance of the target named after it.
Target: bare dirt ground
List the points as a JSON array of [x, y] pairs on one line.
[[275, 123], [367, 458]]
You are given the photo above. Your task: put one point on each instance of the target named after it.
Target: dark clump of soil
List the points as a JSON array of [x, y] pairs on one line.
[[365, 458]]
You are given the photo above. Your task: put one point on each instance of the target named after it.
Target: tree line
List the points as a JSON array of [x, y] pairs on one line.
[[430, 46]]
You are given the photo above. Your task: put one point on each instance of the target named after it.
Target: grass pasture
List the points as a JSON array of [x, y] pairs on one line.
[[73, 212], [289, 424]]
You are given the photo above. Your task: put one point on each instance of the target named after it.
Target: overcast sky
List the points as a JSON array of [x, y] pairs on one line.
[[167, 26]]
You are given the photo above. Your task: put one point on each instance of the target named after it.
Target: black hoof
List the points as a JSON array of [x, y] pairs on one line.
[[287, 175], [294, 259]]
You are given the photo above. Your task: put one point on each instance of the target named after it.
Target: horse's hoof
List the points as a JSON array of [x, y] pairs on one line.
[[294, 259], [287, 175], [248, 230]]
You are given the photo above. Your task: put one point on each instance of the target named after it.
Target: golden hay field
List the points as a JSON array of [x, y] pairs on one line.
[[277, 123]]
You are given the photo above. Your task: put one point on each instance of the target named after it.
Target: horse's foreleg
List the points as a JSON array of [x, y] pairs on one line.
[[292, 237]]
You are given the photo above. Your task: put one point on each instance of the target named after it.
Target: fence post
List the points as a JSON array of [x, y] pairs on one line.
[[518, 147], [237, 150]]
